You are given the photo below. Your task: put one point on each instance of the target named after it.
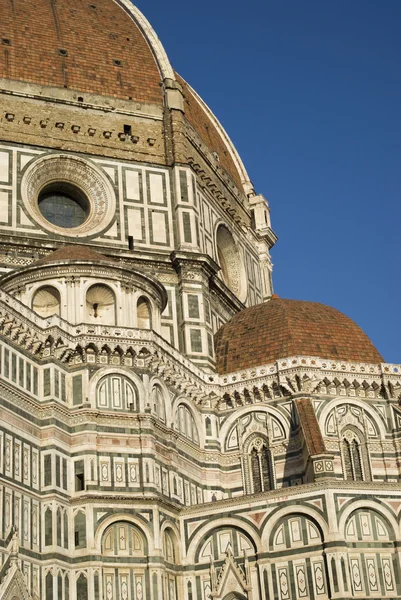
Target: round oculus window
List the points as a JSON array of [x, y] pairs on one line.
[[68, 195], [64, 205]]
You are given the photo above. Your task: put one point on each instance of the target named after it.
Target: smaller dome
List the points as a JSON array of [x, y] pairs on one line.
[[281, 328], [68, 253]]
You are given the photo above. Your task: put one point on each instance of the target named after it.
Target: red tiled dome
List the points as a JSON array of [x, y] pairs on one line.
[[281, 328], [76, 253], [93, 47]]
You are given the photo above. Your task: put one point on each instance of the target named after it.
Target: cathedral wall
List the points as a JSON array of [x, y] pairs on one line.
[[80, 445], [151, 212]]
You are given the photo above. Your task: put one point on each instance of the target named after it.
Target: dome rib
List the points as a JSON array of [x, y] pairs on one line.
[[281, 328], [212, 133]]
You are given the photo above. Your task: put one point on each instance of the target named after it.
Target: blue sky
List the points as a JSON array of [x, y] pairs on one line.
[[310, 93]]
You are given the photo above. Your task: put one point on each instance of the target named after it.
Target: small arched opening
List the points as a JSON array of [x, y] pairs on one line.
[[46, 301], [100, 305], [143, 314]]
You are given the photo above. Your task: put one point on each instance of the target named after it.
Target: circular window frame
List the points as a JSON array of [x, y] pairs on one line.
[[65, 169]]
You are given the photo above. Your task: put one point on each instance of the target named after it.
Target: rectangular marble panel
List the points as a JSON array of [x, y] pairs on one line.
[[159, 227], [5, 207], [156, 191], [135, 221], [4, 166], [132, 185]]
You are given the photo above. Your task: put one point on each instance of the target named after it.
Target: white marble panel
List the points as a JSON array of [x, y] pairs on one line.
[[156, 188], [132, 185], [4, 166]]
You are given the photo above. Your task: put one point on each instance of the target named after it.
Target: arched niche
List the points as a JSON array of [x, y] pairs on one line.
[[46, 301], [295, 530], [100, 305], [366, 525], [116, 392], [143, 314], [230, 261], [169, 546], [221, 540], [122, 539]]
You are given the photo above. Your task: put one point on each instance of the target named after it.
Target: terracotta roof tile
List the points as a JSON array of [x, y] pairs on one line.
[[75, 45], [281, 328], [207, 131], [67, 253]]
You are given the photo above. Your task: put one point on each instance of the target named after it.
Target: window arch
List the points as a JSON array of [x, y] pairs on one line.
[[355, 456], [46, 301], [116, 392], [157, 403], [100, 305], [143, 314], [185, 423], [258, 466]]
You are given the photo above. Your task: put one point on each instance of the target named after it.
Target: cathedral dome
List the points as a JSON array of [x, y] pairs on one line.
[[94, 47], [105, 49], [281, 328]]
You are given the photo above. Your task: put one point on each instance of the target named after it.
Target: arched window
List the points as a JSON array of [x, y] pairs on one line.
[[116, 392], [259, 466], [355, 456], [185, 423], [100, 305], [46, 301], [157, 404], [143, 314]]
